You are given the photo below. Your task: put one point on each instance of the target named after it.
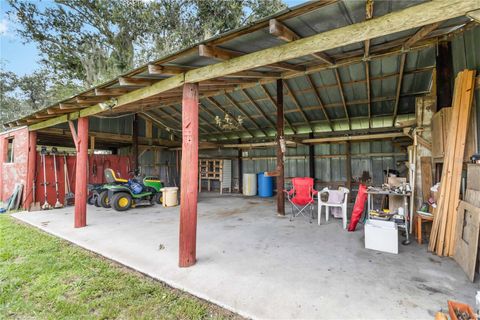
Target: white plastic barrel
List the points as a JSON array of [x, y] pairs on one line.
[[249, 184], [169, 196]]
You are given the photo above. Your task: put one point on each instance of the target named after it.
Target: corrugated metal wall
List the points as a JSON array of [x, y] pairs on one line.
[[466, 54], [330, 161]]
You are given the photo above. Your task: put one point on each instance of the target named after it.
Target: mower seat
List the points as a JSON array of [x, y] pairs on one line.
[[111, 177]]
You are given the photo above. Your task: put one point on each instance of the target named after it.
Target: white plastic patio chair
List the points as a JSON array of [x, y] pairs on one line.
[[328, 205]]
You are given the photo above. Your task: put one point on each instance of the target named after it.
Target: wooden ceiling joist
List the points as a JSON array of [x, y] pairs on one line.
[[403, 57], [135, 82], [420, 34], [365, 137], [270, 98], [342, 97], [110, 92], [225, 54], [155, 69], [366, 63], [286, 34], [159, 123], [319, 99], [257, 107], [44, 116], [54, 111], [297, 104], [368, 16], [69, 106], [90, 99], [255, 75]]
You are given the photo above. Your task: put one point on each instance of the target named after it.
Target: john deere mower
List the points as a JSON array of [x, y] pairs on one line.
[[122, 194]]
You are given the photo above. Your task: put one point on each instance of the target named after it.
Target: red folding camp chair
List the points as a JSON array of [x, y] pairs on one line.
[[301, 196]]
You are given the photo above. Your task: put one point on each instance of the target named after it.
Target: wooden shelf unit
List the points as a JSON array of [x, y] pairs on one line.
[[215, 169]]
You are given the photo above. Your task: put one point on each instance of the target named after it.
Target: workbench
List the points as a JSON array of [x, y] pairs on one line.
[[407, 214]]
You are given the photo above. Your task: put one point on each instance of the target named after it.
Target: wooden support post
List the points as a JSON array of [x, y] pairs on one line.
[[348, 166], [149, 130], [81, 173], [281, 146], [311, 157], [189, 178], [135, 142], [240, 168], [92, 145], [31, 167], [444, 75]]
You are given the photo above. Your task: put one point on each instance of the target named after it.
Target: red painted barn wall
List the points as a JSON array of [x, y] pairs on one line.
[[16, 172], [97, 164]]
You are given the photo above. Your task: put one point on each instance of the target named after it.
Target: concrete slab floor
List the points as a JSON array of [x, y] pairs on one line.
[[262, 266]]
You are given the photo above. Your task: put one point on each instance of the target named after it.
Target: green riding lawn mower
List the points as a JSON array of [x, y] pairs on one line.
[[122, 194]]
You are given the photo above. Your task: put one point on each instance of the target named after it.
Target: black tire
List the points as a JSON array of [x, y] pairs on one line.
[[103, 200], [90, 200], [121, 201], [158, 198], [95, 200]]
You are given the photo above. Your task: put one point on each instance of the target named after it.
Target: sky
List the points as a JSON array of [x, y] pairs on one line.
[[22, 58]]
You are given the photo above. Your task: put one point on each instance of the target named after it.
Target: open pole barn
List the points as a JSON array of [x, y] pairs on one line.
[[343, 92]]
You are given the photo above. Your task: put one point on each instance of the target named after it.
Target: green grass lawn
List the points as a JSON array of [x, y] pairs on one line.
[[43, 277]]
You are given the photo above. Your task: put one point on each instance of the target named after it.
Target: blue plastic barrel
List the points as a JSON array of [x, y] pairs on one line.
[[265, 185]]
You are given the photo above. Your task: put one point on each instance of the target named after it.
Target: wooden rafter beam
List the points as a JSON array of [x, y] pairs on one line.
[[255, 74], [135, 82], [225, 54], [368, 89], [44, 116], [475, 15], [297, 104], [168, 116], [90, 99], [159, 123], [111, 92], [54, 111], [319, 99], [69, 106], [365, 137], [368, 16], [342, 96], [282, 32], [412, 17], [155, 69], [366, 63], [245, 114], [419, 35], [270, 98], [257, 107], [399, 87]]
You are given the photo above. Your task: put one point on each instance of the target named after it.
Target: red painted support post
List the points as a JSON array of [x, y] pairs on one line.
[[31, 167], [281, 146], [189, 178], [81, 174]]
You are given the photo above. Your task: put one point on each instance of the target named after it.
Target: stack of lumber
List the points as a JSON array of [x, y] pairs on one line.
[[442, 237], [15, 199]]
